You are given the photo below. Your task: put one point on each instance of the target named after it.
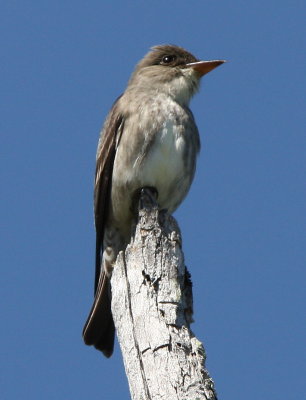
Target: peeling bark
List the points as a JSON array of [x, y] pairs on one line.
[[152, 311]]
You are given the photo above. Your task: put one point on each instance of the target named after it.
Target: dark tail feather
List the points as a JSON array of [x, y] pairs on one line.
[[99, 329]]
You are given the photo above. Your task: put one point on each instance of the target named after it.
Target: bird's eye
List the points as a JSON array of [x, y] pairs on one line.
[[168, 59]]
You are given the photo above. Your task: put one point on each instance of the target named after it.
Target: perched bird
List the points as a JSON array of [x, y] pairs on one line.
[[149, 139]]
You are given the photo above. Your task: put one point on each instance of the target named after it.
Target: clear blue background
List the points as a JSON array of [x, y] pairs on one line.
[[62, 65]]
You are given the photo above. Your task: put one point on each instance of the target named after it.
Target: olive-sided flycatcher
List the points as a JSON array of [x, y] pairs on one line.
[[149, 139]]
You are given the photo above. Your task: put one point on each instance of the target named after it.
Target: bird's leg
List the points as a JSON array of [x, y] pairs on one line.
[[148, 198], [144, 198]]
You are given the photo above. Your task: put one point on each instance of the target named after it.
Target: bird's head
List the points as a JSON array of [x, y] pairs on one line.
[[172, 70]]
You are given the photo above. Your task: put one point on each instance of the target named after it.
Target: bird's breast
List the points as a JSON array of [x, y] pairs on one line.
[[163, 164], [160, 154]]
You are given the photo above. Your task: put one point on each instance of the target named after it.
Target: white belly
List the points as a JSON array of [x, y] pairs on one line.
[[163, 167], [160, 165]]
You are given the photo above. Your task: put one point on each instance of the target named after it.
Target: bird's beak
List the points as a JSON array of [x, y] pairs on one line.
[[203, 67]]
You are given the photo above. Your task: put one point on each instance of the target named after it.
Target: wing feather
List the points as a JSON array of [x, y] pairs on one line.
[[108, 143], [99, 329]]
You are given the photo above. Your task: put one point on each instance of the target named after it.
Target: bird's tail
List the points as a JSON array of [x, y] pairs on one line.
[[99, 329]]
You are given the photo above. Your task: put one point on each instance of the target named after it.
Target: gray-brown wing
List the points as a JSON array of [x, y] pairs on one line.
[[99, 329], [104, 169]]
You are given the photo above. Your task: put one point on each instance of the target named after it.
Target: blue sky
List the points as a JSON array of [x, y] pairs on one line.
[[243, 223]]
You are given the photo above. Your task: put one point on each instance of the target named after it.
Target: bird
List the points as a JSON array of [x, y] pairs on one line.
[[149, 139]]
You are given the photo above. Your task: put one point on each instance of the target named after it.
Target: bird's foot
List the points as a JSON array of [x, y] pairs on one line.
[[145, 198], [148, 198]]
